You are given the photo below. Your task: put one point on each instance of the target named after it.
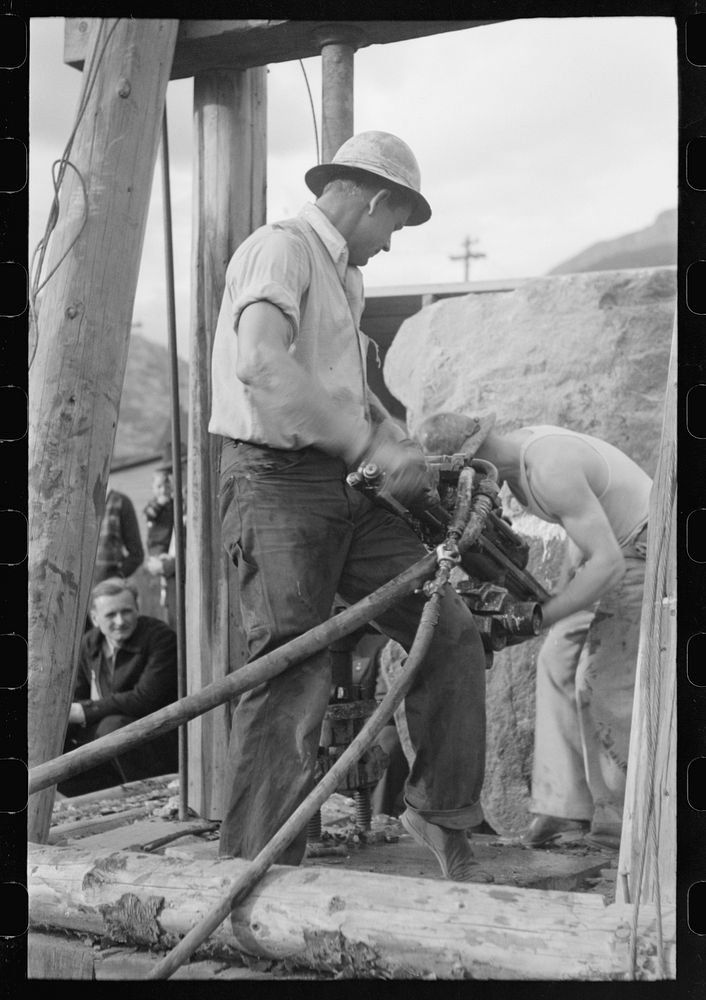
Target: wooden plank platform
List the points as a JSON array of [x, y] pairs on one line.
[[80, 829], [51, 956], [55, 956], [140, 835], [568, 865], [499, 863], [144, 787]]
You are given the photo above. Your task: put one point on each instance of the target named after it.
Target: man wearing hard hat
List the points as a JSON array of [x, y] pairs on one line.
[[292, 404], [586, 666]]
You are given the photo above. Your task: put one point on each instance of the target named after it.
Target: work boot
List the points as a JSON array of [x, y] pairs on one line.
[[607, 838], [544, 828], [451, 847]]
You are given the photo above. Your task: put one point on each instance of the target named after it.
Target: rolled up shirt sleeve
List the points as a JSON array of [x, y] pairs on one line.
[[296, 266], [273, 268]]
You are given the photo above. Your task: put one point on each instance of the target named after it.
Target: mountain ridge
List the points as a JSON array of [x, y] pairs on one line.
[[653, 246], [144, 420]]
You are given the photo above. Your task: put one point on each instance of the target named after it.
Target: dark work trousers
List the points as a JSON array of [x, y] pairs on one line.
[[159, 756], [299, 535]]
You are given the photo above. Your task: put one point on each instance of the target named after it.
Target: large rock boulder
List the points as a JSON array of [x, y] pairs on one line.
[[584, 351]]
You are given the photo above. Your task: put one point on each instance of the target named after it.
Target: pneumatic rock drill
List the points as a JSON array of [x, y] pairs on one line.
[[504, 598]]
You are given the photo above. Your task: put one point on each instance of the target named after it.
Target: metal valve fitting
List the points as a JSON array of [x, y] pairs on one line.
[[448, 551], [371, 473]]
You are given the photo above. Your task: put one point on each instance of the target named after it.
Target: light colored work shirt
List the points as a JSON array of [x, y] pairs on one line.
[[301, 267], [626, 496]]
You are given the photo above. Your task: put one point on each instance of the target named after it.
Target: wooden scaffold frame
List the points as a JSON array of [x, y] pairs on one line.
[[81, 328]]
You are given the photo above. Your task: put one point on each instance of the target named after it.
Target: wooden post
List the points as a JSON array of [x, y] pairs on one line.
[[83, 317], [338, 44], [229, 203], [647, 861]]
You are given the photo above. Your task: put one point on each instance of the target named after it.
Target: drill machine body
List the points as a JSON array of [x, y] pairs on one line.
[[503, 597]]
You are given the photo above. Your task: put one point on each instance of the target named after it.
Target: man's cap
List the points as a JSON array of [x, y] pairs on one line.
[[452, 433], [385, 157]]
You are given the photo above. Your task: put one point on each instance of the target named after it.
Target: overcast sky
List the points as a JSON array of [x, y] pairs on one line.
[[535, 137]]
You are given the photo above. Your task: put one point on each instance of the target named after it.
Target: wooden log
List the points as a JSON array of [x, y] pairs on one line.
[[356, 923], [648, 850], [230, 126], [83, 317], [203, 44]]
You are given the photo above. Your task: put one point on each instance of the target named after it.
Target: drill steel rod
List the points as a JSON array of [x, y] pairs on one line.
[[179, 575], [247, 677], [521, 578], [245, 882]]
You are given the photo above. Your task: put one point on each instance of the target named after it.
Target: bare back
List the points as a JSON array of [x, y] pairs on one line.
[[621, 487]]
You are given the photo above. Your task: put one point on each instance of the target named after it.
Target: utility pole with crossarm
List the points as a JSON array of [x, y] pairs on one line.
[[466, 256]]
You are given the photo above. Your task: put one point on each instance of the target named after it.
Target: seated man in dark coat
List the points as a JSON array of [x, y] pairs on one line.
[[127, 669]]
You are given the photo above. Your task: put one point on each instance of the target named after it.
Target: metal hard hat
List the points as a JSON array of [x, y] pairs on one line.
[[383, 155], [450, 433]]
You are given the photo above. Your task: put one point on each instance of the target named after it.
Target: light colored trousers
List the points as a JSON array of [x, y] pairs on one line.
[[585, 687]]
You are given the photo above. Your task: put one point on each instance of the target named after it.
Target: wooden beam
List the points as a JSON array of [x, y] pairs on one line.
[[648, 849], [50, 956], [203, 44], [356, 923], [141, 832], [82, 332], [78, 828], [148, 787], [230, 125], [54, 956]]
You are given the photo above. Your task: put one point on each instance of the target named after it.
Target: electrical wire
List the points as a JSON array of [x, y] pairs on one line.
[[64, 162], [313, 113], [91, 77]]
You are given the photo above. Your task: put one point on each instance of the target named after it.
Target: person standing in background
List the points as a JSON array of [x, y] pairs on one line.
[[161, 537], [120, 550]]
